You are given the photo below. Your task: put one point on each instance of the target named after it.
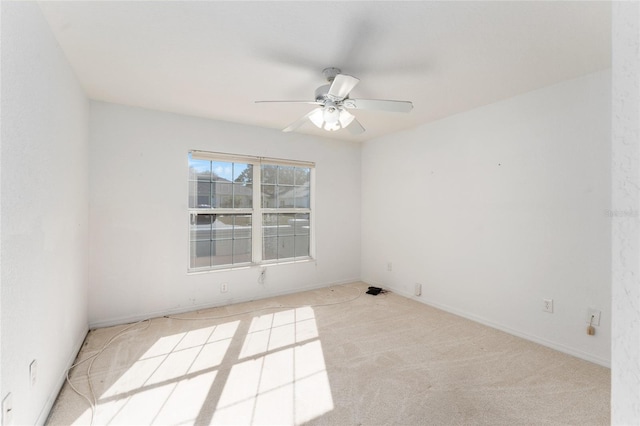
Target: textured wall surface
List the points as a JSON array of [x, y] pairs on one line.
[[625, 368], [44, 212], [139, 215], [498, 208]]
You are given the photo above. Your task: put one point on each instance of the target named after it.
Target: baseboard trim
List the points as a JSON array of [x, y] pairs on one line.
[[184, 309], [532, 338], [46, 409]]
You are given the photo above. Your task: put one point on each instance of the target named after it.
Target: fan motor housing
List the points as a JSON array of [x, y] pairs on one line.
[[321, 92]]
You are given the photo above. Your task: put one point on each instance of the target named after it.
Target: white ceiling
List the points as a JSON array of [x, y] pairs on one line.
[[214, 59]]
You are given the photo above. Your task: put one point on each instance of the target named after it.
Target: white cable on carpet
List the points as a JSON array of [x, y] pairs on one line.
[[93, 402]]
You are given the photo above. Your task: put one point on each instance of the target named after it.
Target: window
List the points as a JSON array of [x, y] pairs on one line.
[[285, 193], [245, 210]]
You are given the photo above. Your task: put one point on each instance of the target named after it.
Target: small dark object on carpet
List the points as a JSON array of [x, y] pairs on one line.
[[376, 290]]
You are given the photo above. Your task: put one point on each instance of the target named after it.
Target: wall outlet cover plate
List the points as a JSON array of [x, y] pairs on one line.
[[596, 316]]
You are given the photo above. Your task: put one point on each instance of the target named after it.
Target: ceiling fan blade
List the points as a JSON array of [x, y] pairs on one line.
[[378, 104], [290, 102], [355, 128], [311, 114], [341, 86], [345, 118]]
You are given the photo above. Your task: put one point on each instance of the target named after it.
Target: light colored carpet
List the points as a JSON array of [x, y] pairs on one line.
[[333, 356]]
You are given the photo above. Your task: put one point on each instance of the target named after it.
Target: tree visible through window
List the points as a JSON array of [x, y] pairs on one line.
[[229, 196]]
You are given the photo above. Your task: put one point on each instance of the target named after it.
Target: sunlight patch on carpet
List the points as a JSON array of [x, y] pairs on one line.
[[282, 378]]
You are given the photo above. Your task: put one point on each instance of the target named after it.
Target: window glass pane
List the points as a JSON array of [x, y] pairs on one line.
[[220, 240], [200, 255], [200, 194], [302, 176], [292, 230], [301, 224], [242, 250], [222, 227], [285, 175], [270, 225], [221, 252], [269, 196], [193, 194], [200, 227], [286, 197], [284, 194], [269, 174], [286, 224], [242, 227], [199, 170], [243, 220], [199, 183], [302, 246], [242, 195], [286, 247], [270, 248], [242, 173], [221, 171], [222, 195], [302, 197]]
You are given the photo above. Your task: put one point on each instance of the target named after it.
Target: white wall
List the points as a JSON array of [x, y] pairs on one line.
[[497, 208], [139, 220], [44, 205], [625, 362]]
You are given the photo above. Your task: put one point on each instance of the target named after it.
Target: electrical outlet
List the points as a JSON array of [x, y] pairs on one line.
[[418, 289], [7, 410], [224, 287], [596, 316], [33, 371], [389, 266], [547, 305]]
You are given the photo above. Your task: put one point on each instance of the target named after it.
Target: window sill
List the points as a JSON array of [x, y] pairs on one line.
[[265, 264]]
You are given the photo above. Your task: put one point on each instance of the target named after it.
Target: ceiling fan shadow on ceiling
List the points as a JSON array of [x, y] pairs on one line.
[[333, 102]]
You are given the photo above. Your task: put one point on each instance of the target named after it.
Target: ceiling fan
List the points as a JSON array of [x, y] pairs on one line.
[[333, 101]]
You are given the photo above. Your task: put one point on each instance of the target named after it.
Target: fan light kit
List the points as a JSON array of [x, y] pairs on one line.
[[333, 100]]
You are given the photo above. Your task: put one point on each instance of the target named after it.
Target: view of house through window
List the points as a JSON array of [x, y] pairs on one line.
[[247, 210]]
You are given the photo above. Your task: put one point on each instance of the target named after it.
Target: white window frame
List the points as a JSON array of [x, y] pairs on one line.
[[256, 211]]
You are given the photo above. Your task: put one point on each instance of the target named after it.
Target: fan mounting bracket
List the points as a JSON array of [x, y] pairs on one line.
[[330, 73]]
